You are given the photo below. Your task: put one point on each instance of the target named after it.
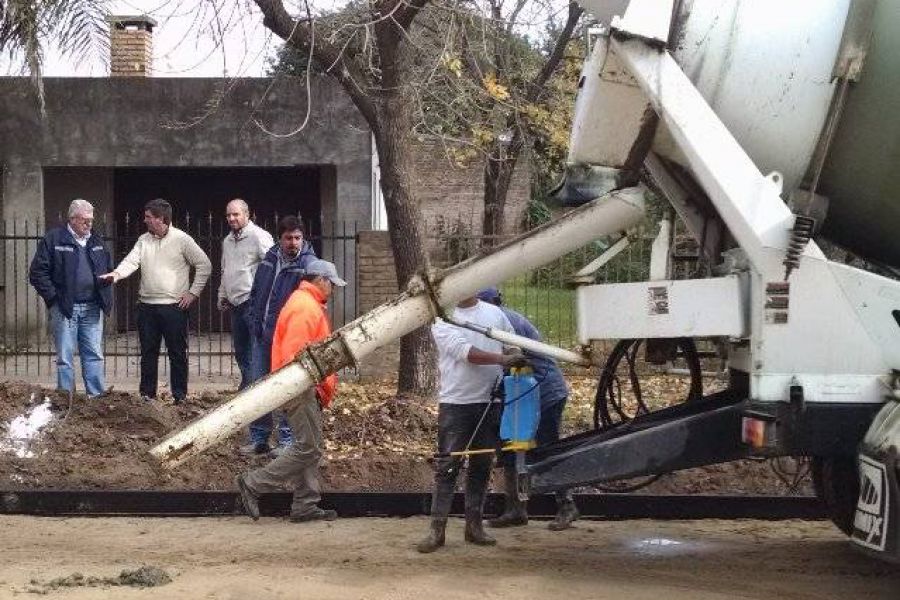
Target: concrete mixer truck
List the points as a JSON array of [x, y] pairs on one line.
[[764, 124]]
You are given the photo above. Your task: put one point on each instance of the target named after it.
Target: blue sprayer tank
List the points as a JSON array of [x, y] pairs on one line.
[[521, 410]]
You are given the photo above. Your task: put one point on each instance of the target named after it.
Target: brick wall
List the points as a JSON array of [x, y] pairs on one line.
[[374, 269], [448, 191], [377, 283], [131, 49]]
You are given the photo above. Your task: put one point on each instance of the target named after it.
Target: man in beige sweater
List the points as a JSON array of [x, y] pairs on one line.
[[165, 255]]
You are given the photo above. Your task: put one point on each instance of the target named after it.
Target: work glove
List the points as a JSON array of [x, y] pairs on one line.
[[515, 360]]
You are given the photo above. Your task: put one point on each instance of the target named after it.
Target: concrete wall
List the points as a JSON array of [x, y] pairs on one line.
[[97, 125], [168, 122]]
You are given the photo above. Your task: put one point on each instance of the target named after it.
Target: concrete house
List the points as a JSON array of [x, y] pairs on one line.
[[122, 140]]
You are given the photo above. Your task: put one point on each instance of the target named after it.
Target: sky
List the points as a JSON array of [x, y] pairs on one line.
[[193, 39], [188, 41]]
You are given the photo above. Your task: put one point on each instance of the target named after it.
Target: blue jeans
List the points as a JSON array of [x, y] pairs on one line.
[[84, 330], [240, 339], [261, 428], [551, 419]]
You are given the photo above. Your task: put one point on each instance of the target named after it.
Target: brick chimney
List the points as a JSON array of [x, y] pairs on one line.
[[131, 46]]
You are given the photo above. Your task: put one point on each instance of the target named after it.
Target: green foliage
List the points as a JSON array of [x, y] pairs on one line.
[[536, 213], [550, 120], [557, 272], [550, 308]]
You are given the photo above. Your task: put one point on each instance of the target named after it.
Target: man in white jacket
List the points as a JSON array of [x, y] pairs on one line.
[[242, 250], [165, 255]]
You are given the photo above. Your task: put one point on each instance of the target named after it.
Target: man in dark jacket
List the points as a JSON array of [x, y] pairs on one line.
[[554, 394], [64, 272], [276, 278]]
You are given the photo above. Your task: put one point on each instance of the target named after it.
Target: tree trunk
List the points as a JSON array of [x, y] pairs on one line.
[[498, 172], [418, 365]]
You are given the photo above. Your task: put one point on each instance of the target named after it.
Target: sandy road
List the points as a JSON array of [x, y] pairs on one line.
[[234, 558]]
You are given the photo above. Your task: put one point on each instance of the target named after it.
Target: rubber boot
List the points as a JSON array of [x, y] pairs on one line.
[[566, 513], [475, 533], [435, 537], [515, 512], [476, 488]]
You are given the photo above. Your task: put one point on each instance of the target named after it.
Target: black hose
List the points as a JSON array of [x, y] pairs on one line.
[[608, 407], [609, 410]]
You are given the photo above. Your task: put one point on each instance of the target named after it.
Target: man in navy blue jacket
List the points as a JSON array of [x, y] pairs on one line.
[[554, 394], [276, 278], [64, 272]]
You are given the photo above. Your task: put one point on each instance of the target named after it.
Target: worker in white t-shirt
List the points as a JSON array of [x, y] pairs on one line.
[[470, 366]]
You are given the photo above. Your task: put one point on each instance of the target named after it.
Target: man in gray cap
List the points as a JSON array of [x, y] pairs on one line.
[[301, 322]]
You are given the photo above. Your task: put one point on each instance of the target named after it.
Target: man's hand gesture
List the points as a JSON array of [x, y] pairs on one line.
[[110, 277]]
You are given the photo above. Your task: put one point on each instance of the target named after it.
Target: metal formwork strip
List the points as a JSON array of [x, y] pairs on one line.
[[378, 504]]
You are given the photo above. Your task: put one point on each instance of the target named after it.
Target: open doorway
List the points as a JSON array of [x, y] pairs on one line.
[[198, 197]]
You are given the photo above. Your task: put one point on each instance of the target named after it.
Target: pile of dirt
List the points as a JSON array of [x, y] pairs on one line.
[[373, 442], [142, 577]]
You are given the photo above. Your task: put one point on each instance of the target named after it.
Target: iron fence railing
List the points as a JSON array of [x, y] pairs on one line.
[[544, 295], [26, 347]]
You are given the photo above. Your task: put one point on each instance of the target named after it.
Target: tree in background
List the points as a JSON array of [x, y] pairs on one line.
[[487, 91], [406, 64], [506, 98]]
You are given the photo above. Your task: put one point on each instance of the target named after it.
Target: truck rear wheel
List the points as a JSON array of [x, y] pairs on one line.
[[836, 480]]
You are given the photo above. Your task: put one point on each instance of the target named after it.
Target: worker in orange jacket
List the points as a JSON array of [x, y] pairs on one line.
[[302, 321]]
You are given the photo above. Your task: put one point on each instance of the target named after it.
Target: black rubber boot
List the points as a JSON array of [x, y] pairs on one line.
[[475, 533], [476, 488], [515, 512], [566, 513], [435, 537]]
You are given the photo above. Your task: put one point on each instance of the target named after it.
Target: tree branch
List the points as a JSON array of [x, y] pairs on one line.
[[511, 22], [540, 80], [299, 34], [408, 12]]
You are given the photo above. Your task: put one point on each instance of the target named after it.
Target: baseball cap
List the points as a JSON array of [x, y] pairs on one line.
[[325, 269], [488, 294]]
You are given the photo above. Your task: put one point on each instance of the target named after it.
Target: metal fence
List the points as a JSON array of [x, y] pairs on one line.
[[26, 348], [545, 295]]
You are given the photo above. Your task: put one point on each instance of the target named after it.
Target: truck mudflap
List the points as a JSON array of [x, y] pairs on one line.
[[876, 523]]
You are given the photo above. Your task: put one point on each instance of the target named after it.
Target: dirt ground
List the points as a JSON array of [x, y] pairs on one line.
[[236, 559], [374, 442]]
